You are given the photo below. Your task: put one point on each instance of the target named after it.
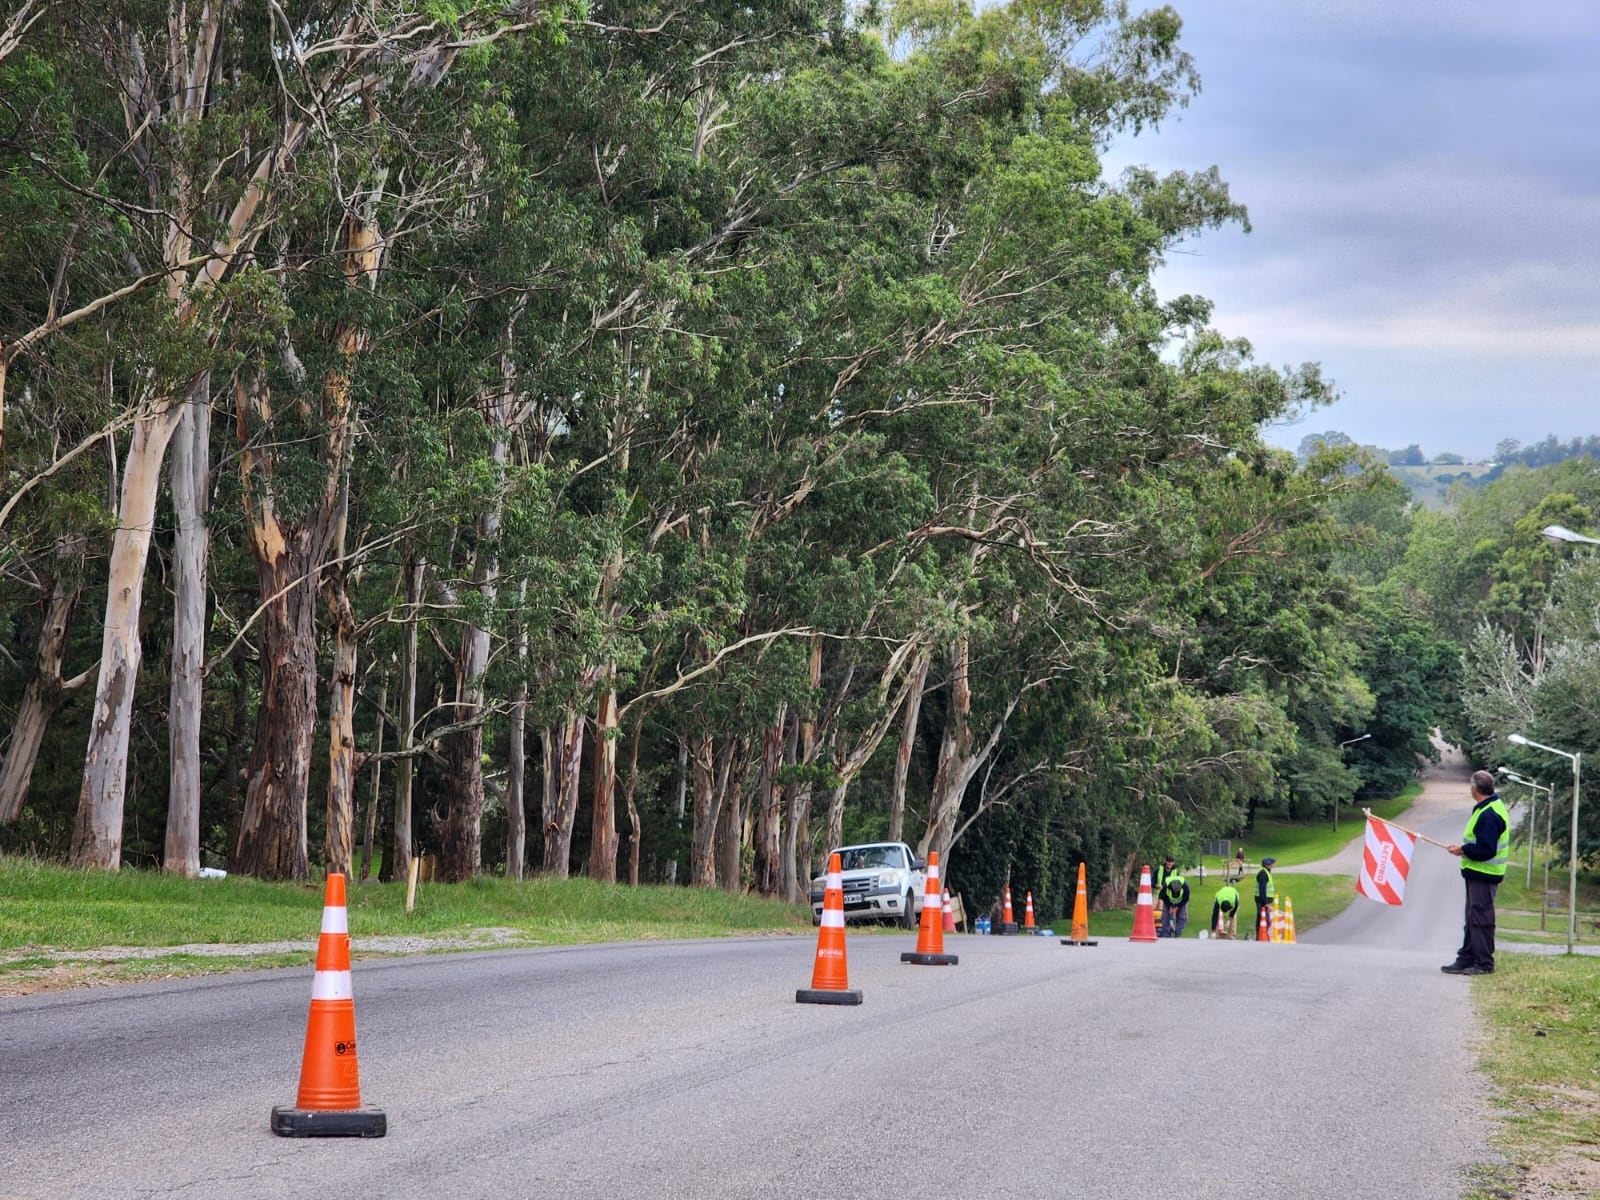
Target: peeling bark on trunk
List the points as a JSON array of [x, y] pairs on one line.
[[702, 838], [797, 836], [956, 765], [340, 848], [767, 866], [97, 830], [730, 818], [960, 758], [46, 691], [635, 826], [603, 831], [562, 809], [191, 485], [272, 832], [461, 837], [902, 757]]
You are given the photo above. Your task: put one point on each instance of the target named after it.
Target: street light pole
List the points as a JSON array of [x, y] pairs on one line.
[[1341, 747], [1533, 816], [1574, 757]]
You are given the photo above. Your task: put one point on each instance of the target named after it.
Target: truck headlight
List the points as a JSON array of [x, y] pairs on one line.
[[889, 880]]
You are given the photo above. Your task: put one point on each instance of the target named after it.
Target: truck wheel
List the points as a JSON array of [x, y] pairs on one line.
[[908, 919]]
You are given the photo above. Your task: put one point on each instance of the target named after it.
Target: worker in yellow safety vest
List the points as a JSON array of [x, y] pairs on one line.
[[1484, 850]]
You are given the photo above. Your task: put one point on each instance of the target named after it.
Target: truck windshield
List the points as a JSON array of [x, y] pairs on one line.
[[860, 857]]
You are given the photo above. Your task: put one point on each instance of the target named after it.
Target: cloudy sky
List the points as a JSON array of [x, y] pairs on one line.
[[1423, 180]]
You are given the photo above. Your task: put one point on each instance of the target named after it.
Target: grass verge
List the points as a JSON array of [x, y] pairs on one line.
[[52, 916], [1543, 1015]]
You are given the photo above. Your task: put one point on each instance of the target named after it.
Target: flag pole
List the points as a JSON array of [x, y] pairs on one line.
[[1422, 837]]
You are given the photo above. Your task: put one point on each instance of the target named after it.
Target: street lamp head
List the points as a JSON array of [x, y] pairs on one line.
[[1516, 739], [1560, 533]]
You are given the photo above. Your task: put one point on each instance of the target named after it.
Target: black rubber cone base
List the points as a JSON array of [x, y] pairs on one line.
[[826, 996], [328, 1122], [1006, 927], [1085, 942], [930, 960]]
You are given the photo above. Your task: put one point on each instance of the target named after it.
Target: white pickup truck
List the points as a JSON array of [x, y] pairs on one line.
[[883, 881]]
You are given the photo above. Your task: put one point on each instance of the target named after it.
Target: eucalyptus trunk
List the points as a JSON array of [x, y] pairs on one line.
[[412, 571], [517, 785], [377, 785], [46, 691], [272, 831], [603, 828], [767, 864], [97, 829], [730, 818], [902, 756], [561, 808], [797, 866], [956, 757], [340, 850], [191, 485], [702, 838]]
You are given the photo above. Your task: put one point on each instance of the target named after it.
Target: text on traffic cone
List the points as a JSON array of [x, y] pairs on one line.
[[329, 1099]]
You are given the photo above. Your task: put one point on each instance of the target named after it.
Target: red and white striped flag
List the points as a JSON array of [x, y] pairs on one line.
[[1385, 863]]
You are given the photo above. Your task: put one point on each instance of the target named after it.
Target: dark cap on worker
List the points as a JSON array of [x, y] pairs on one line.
[[1268, 861], [1172, 858]]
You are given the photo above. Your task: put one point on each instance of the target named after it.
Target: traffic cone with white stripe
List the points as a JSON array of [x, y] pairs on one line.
[[1277, 921], [1008, 921], [1288, 920], [329, 1101], [1144, 916], [1263, 924], [947, 914], [1027, 915], [1080, 913], [930, 938], [830, 977]]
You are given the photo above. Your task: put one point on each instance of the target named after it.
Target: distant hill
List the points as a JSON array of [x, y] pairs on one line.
[[1429, 479], [1430, 482]]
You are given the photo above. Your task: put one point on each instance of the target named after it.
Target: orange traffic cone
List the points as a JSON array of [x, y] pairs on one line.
[[1263, 924], [1288, 920], [1144, 916], [329, 1102], [830, 978], [947, 915], [1008, 920], [930, 938], [1080, 913], [1027, 915]]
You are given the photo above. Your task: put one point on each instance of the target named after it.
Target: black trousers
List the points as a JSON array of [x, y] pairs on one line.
[[1477, 931]]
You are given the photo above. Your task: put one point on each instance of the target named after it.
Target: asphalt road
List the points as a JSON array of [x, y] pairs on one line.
[[1338, 1067], [686, 1070]]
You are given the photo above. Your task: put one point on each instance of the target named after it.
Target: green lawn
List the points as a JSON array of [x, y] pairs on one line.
[[53, 907], [1292, 842]]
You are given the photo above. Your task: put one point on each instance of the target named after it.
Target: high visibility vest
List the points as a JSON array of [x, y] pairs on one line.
[[1173, 888], [1496, 866], [1227, 898], [1272, 888]]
